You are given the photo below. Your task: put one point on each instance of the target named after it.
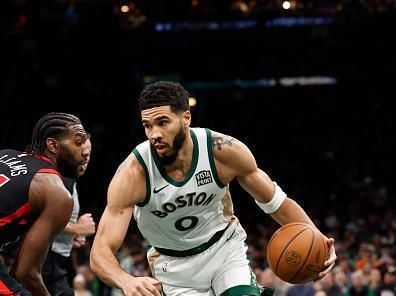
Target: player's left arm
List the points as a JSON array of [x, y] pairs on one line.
[[234, 160]]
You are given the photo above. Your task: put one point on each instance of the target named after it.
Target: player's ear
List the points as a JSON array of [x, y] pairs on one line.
[[52, 145], [186, 119]]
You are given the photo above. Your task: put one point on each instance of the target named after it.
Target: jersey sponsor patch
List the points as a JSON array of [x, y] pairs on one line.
[[203, 178], [3, 179]]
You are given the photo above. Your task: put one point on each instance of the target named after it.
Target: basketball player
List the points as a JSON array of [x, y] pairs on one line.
[[176, 186], [58, 264], [34, 203]]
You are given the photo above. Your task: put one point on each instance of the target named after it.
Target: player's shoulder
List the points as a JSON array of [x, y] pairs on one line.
[[48, 189], [214, 133], [231, 154], [218, 136], [49, 182], [224, 145], [8, 151], [127, 187], [131, 165]]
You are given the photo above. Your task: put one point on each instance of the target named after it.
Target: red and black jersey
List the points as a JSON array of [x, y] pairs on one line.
[[17, 170]]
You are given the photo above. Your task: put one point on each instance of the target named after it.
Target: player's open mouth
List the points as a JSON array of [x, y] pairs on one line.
[[160, 148]]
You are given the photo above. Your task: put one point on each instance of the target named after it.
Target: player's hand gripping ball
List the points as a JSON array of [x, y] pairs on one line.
[[296, 253]]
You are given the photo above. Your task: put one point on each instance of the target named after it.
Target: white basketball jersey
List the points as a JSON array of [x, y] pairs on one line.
[[183, 215]]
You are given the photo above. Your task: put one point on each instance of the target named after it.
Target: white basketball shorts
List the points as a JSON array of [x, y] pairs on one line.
[[223, 269]]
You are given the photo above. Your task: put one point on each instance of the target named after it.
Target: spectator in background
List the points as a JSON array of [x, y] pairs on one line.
[[340, 279], [327, 284], [359, 285], [301, 290], [389, 281], [268, 278], [79, 286], [58, 265], [387, 293], [385, 255], [367, 256], [375, 279], [346, 267], [92, 282]]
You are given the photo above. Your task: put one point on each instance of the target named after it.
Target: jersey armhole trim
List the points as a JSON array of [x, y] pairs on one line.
[[211, 158], [49, 171], [148, 186]]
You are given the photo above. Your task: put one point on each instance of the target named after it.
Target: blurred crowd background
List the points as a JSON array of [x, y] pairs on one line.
[[307, 85]]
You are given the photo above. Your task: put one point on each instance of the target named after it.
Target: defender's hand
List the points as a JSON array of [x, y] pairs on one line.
[[86, 224], [78, 241]]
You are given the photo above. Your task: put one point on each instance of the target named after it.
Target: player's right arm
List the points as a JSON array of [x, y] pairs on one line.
[[125, 190], [52, 204]]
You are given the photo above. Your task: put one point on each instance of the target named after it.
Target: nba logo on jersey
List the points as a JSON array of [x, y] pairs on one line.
[[165, 267], [203, 177]]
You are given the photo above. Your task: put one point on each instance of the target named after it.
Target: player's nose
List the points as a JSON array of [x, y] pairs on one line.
[[156, 135]]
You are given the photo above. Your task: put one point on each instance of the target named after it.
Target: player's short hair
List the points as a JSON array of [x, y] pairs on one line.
[[163, 93], [51, 125]]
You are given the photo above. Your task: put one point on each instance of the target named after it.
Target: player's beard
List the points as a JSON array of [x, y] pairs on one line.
[[66, 166], [177, 144]]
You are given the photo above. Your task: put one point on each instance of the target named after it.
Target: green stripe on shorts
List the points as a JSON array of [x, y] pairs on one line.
[[242, 290]]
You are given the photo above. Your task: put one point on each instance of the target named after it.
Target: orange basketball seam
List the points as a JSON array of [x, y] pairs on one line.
[[287, 226], [306, 258], [286, 246]]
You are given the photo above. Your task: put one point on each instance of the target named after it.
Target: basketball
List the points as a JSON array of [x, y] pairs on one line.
[[296, 253]]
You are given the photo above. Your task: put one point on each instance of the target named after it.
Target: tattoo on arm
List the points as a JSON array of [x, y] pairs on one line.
[[219, 141]]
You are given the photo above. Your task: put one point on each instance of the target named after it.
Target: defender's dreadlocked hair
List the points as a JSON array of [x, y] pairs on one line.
[[164, 93], [51, 125]]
